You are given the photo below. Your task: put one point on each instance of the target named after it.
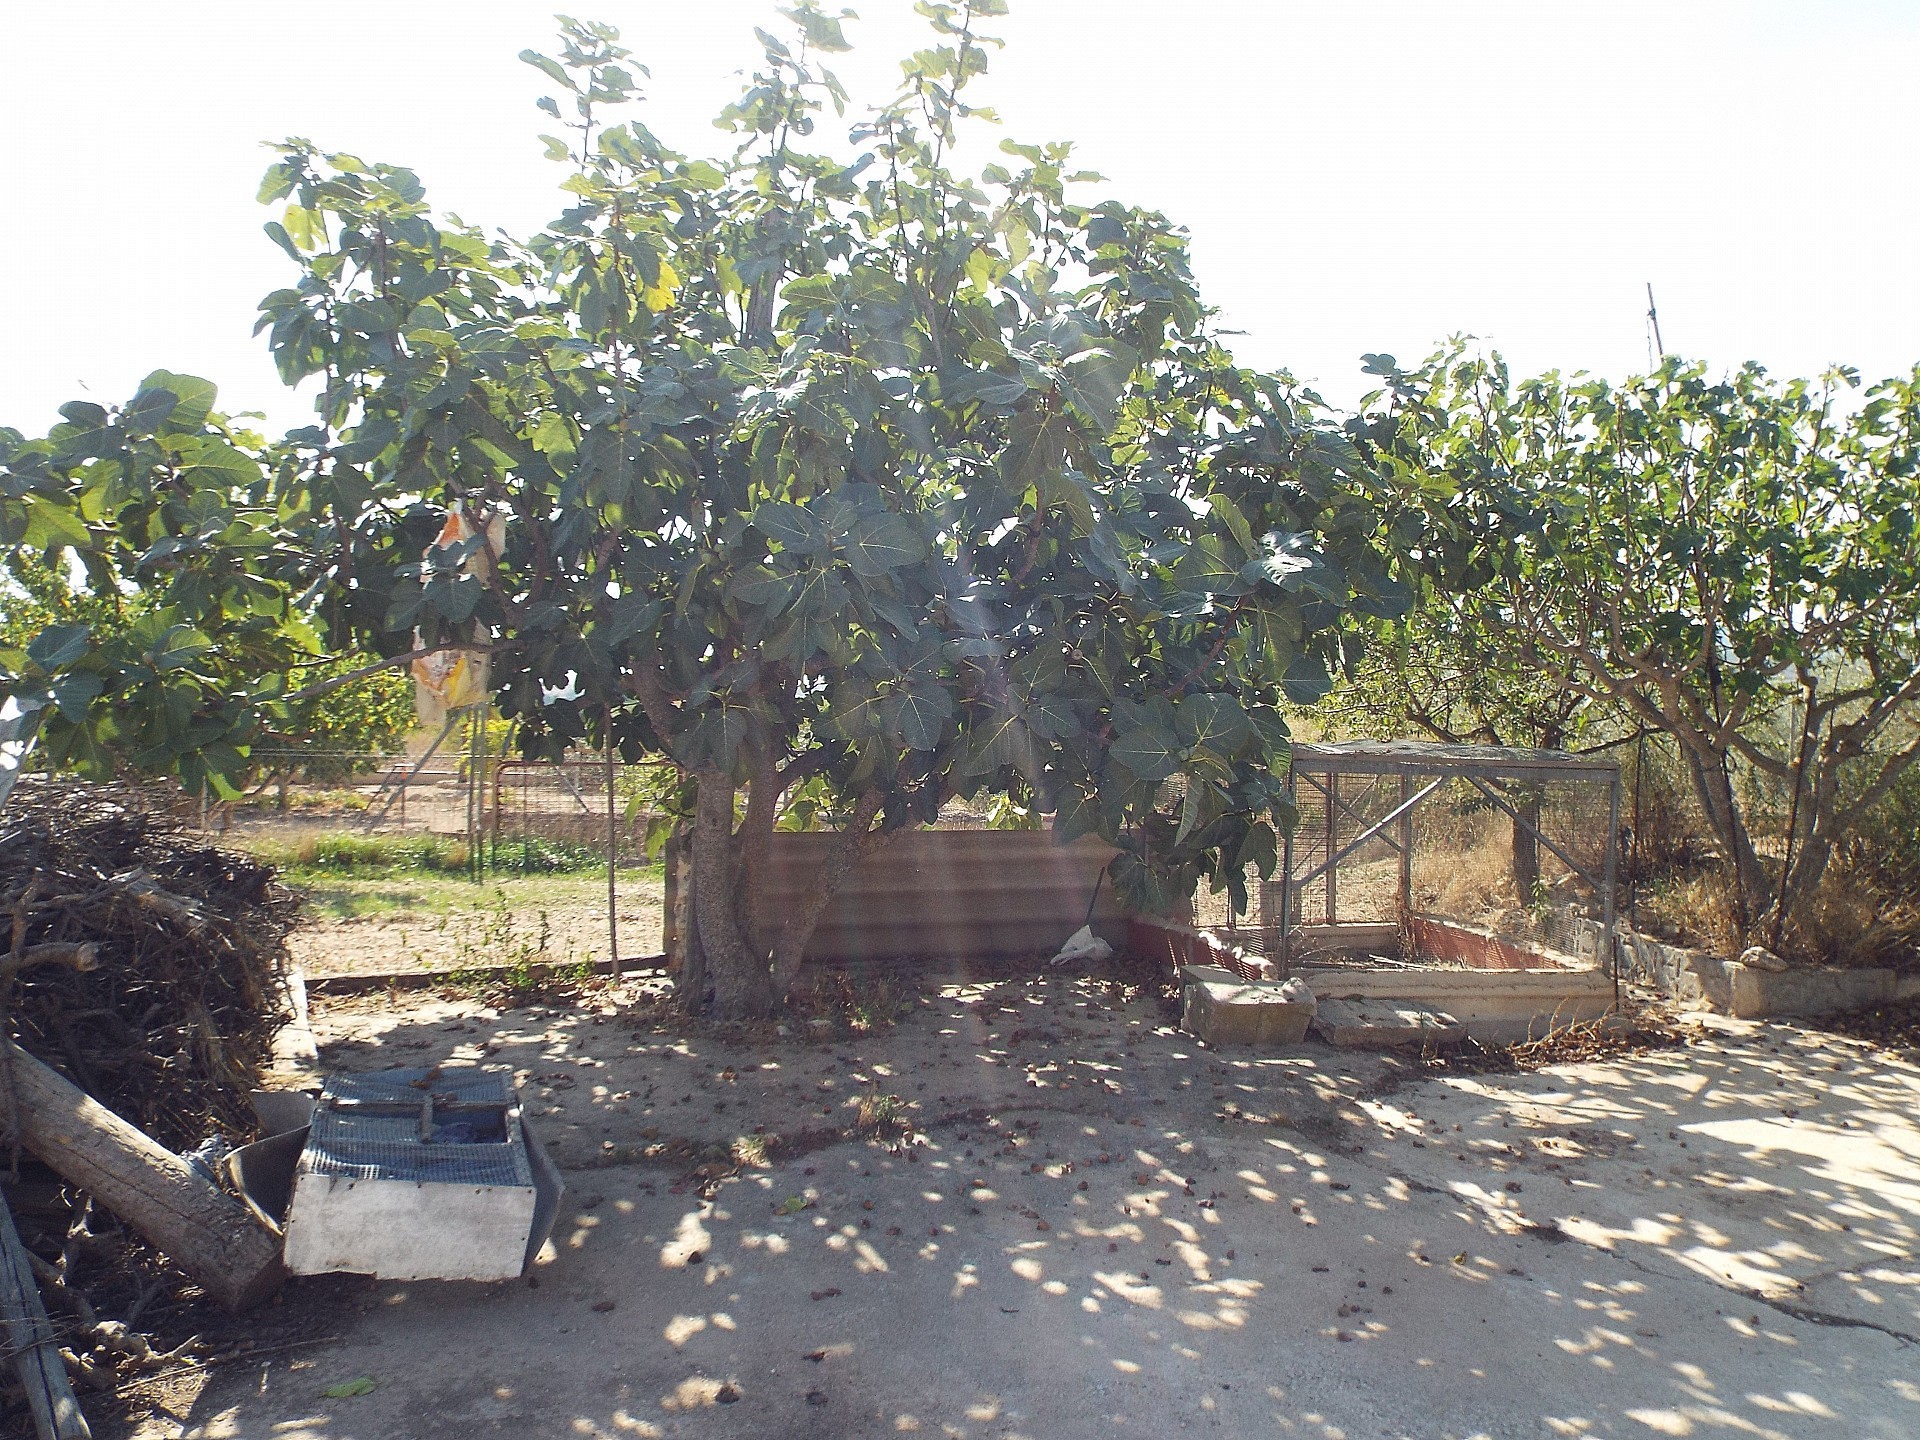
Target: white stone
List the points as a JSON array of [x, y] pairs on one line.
[[1762, 958], [1222, 1009]]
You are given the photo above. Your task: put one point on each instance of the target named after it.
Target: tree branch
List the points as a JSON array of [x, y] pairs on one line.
[[327, 687]]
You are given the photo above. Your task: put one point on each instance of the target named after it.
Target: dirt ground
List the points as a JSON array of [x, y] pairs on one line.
[[1069, 1220], [568, 930]]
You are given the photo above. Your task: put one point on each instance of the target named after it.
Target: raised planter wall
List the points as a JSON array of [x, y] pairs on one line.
[[1478, 949], [1500, 1006], [1511, 993], [1746, 991], [948, 893]]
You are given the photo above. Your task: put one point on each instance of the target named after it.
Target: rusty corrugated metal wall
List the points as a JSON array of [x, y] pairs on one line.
[[949, 893]]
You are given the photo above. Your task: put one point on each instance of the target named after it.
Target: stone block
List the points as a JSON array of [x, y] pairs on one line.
[[1494, 1006], [1222, 1009], [1757, 993], [1359, 1023]]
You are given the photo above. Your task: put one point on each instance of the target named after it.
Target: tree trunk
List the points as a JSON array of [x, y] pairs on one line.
[[1526, 843], [742, 978], [204, 1231], [1812, 849], [752, 965], [853, 843], [1713, 787]]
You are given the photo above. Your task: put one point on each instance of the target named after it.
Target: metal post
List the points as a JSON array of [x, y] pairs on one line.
[[497, 773], [613, 856], [1333, 845], [1611, 947], [476, 813], [1286, 882], [1406, 850]]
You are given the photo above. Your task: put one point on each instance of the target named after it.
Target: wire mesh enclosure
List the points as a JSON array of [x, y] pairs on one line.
[[581, 802], [1452, 856]]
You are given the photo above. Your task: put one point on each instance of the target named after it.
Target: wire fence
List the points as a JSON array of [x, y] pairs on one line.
[[516, 815], [1392, 837]]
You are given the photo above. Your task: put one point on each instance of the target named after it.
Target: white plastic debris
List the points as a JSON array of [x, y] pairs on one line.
[[1083, 945]]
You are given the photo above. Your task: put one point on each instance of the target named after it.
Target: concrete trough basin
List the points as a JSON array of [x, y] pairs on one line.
[[1221, 1008]]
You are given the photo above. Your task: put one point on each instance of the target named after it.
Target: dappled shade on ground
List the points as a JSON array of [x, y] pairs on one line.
[[1083, 1224]]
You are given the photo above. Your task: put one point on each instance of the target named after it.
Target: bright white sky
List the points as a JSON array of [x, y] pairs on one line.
[[1358, 175]]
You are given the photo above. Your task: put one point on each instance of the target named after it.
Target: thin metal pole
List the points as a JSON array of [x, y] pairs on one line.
[[1406, 849], [1333, 842], [476, 816], [613, 855], [1612, 949], [1286, 881], [495, 769]]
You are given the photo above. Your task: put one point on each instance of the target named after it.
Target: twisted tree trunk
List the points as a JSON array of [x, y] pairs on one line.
[[750, 966], [742, 979]]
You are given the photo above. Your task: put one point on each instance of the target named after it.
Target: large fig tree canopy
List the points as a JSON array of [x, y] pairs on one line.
[[837, 478]]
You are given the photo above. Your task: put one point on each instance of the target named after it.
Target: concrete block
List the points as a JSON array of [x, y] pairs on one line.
[[1755, 993], [1495, 1006], [1384, 1024], [1222, 1009]]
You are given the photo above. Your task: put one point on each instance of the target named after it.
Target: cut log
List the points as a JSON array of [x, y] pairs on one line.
[[202, 1229], [30, 1340], [82, 956]]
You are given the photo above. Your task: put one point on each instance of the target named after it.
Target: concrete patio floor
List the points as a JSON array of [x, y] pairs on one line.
[[1109, 1231]]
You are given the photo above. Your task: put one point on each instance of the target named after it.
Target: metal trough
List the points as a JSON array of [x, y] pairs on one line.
[[420, 1175]]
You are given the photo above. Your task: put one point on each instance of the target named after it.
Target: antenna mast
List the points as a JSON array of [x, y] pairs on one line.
[[1653, 319]]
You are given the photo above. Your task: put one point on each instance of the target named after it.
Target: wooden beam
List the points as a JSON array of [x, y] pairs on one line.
[[197, 1225], [32, 1343]]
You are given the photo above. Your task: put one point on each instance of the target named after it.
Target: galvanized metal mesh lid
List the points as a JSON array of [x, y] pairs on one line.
[[367, 1127]]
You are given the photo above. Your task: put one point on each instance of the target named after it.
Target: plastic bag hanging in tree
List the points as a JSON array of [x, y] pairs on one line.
[[456, 679]]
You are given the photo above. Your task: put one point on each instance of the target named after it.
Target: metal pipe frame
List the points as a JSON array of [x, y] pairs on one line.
[[1477, 777], [1374, 830]]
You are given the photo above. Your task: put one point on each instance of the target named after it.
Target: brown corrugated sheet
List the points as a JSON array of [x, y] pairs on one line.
[[949, 893]]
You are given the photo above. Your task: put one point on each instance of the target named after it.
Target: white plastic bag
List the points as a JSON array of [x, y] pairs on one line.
[[1083, 945]]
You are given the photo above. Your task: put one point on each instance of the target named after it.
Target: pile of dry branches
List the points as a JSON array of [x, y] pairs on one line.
[[140, 963]]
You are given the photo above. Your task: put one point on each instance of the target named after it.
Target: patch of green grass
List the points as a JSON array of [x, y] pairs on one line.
[[343, 853], [534, 855], [337, 897], [346, 876]]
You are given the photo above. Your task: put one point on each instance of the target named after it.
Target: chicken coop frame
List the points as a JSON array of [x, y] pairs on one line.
[[1423, 770]]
